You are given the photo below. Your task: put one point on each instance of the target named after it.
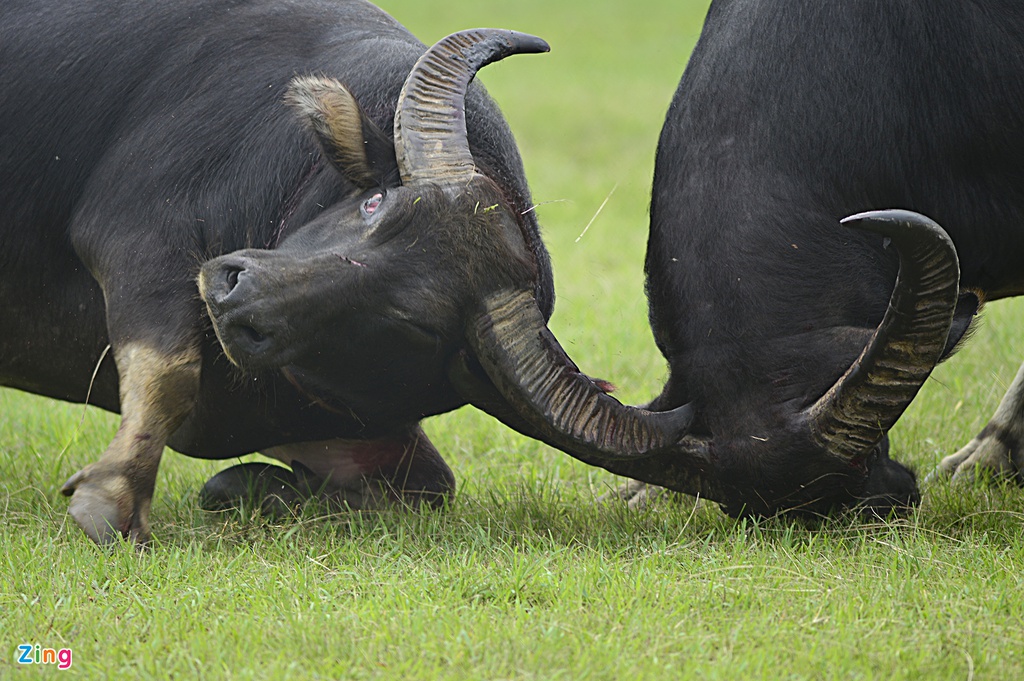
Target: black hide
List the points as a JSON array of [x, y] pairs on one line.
[[140, 140], [791, 115]]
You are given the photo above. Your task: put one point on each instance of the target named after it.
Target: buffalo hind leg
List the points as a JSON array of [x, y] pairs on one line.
[[404, 469], [111, 498], [999, 448]]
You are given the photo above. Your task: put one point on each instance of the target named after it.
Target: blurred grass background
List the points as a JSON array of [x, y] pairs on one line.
[[525, 576]]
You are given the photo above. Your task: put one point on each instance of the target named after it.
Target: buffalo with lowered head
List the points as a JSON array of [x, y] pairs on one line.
[[353, 210], [798, 342]]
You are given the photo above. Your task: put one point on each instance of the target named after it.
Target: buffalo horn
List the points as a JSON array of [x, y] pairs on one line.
[[545, 393], [430, 121], [559, 404], [851, 418]]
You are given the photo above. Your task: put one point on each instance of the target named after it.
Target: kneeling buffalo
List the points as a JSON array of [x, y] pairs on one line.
[[359, 278]]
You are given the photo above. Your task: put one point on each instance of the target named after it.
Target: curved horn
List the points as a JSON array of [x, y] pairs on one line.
[[554, 400], [871, 396], [430, 120]]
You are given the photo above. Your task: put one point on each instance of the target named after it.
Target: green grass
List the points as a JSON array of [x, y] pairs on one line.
[[525, 576]]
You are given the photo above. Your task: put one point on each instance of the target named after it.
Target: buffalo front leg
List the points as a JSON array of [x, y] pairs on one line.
[[999, 448], [111, 498]]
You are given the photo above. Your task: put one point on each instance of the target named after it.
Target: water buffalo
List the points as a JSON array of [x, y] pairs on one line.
[[800, 342], [797, 342], [294, 231]]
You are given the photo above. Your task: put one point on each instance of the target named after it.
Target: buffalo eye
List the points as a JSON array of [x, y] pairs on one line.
[[371, 204]]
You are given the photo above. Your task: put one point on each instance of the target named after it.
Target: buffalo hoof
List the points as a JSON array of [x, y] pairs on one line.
[[994, 453], [275, 490], [104, 507]]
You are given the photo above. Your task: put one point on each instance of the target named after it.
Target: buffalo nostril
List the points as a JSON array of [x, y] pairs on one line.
[[252, 335], [231, 278]]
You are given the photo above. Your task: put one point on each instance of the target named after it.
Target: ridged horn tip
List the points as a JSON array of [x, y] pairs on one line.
[[559, 404], [882, 222], [857, 411], [482, 46]]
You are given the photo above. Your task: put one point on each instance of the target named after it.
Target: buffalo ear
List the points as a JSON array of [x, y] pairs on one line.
[[351, 141]]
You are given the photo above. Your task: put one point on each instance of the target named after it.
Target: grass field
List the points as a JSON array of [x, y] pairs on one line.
[[525, 576]]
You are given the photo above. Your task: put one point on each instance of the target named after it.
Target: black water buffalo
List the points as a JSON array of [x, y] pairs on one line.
[[798, 342], [357, 279]]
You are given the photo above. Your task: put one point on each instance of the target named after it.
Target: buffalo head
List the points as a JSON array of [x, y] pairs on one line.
[[417, 293], [364, 306], [830, 451]]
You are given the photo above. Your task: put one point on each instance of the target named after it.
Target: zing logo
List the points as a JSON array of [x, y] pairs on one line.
[[36, 654]]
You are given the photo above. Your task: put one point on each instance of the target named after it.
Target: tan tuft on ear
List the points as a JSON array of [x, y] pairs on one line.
[[337, 120]]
